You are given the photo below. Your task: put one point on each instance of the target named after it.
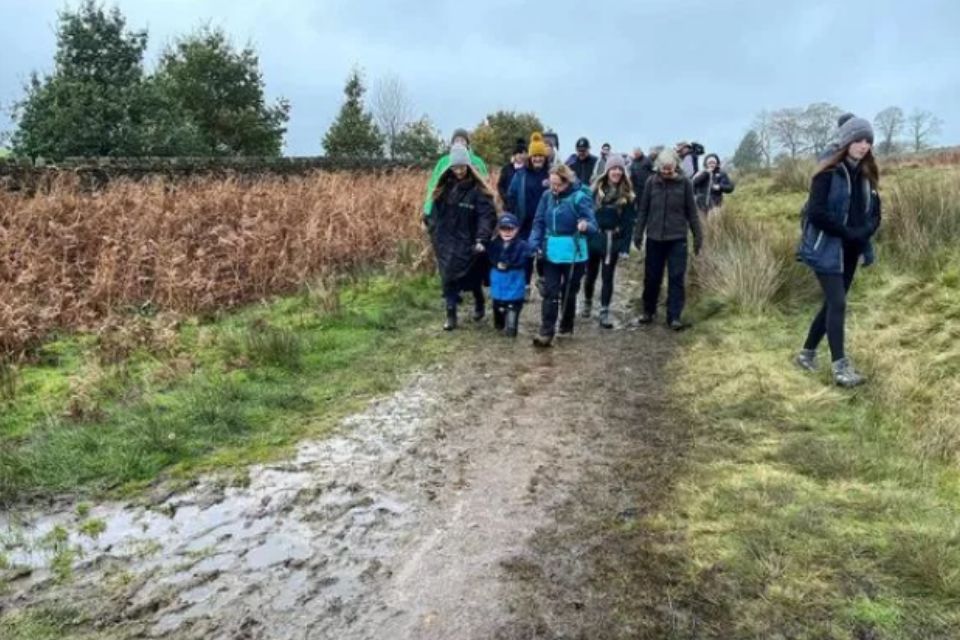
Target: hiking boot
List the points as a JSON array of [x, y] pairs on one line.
[[451, 322], [645, 318], [564, 332], [677, 325], [845, 375], [806, 359], [479, 311], [512, 322], [605, 321], [542, 341], [587, 308]]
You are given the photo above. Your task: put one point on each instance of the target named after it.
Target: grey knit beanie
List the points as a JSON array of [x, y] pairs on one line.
[[614, 160], [459, 156], [852, 130], [460, 133]]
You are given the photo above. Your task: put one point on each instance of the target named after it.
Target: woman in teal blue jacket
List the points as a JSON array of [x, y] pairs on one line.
[[563, 220]]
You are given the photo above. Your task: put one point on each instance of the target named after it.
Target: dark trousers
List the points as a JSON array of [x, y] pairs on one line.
[[831, 318], [597, 265], [472, 282], [561, 285], [500, 309], [672, 256]]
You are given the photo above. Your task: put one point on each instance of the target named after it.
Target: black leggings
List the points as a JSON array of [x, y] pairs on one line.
[[831, 318], [597, 266]]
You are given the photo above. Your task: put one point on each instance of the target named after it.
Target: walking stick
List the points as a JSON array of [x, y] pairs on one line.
[[566, 293]]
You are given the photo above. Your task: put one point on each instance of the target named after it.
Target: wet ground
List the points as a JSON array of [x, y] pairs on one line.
[[501, 495]]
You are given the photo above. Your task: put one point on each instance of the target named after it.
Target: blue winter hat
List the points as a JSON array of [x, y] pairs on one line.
[[508, 221]]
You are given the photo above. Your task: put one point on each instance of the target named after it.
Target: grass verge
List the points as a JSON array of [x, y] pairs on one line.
[[113, 411], [807, 511]]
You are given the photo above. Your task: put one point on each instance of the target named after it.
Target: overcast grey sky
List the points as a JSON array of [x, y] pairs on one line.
[[630, 72]]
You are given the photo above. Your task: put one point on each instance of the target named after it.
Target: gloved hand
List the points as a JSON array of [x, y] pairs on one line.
[[479, 248]]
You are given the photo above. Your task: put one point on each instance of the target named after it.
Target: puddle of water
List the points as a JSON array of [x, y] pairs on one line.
[[313, 531]]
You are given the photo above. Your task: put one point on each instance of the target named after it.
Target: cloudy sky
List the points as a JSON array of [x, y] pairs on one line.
[[629, 72]]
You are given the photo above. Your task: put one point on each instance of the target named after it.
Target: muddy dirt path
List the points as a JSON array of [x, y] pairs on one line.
[[492, 497]]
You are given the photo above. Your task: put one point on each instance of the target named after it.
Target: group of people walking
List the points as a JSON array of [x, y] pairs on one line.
[[572, 222]]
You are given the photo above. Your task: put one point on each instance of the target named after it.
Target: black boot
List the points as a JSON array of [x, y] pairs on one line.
[[451, 322], [479, 310], [512, 323], [499, 317]]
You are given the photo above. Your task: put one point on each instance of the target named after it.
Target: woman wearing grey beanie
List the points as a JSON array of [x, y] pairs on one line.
[[841, 216]]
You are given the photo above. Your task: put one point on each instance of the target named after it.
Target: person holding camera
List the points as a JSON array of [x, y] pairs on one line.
[[710, 184], [689, 153]]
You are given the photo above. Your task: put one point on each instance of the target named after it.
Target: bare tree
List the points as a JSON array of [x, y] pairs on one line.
[[788, 130], [391, 108], [923, 126], [819, 123], [889, 123], [762, 125]]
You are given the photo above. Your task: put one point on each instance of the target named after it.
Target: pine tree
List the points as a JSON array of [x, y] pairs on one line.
[[748, 156], [418, 142], [353, 134]]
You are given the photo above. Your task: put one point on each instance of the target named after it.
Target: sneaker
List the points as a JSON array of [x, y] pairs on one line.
[[677, 325], [806, 359], [542, 341], [645, 318], [605, 321], [587, 308], [845, 375]]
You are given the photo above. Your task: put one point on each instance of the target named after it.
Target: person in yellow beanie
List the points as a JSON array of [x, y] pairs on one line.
[[526, 189]]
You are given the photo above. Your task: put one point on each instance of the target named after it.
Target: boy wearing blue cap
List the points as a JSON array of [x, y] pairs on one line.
[[508, 259]]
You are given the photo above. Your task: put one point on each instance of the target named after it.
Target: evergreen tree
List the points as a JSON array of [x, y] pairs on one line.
[[418, 142], [494, 138], [353, 134], [222, 91], [86, 107], [749, 155]]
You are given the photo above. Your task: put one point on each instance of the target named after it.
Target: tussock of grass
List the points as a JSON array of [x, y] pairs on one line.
[[234, 391]]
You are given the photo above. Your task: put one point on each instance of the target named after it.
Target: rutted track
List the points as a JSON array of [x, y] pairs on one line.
[[474, 503]]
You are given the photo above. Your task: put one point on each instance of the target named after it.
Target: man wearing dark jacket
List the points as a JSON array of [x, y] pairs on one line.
[[641, 168], [583, 162], [667, 214], [517, 162]]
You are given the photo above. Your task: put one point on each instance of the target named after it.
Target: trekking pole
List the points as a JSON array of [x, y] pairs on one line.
[[606, 259], [566, 293]]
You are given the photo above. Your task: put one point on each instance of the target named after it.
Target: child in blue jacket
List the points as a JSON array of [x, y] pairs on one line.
[[509, 255]]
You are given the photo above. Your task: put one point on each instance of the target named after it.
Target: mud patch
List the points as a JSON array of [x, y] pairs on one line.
[[501, 496]]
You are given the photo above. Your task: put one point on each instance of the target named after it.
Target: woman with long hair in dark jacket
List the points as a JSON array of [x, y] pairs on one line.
[[710, 184], [841, 216], [615, 205], [463, 216]]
